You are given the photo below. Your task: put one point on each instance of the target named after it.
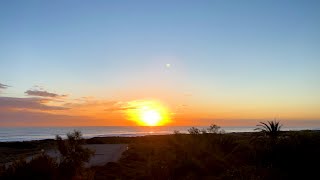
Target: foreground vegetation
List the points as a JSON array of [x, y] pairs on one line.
[[204, 155], [70, 165], [201, 154]]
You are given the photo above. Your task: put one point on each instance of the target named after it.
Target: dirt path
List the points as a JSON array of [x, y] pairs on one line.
[[104, 153]]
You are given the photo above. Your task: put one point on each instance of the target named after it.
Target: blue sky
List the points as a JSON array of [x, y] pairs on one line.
[[227, 53]]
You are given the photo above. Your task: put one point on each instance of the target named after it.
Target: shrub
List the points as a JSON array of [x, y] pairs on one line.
[[44, 167], [73, 154], [40, 167], [203, 131], [215, 129], [194, 130], [71, 164], [17, 169], [176, 132]]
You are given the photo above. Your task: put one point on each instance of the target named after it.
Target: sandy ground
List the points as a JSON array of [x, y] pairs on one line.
[[104, 153]]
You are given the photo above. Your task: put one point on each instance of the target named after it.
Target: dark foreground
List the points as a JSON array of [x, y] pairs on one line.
[[291, 155]]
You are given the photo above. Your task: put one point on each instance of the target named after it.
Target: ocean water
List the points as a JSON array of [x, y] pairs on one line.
[[8, 134]]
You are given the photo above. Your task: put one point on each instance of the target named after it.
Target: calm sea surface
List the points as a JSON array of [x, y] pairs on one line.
[[38, 133]]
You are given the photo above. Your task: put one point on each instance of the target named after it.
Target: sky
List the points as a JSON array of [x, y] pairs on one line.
[[86, 63]]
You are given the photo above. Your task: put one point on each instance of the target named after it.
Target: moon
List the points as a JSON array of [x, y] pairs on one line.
[[168, 65]]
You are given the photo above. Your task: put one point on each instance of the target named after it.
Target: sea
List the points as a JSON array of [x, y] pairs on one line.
[[10, 134]]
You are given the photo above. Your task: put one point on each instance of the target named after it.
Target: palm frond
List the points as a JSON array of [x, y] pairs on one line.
[[271, 128]]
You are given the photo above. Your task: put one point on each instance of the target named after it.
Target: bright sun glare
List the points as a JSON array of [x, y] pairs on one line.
[[151, 117], [148, 113]]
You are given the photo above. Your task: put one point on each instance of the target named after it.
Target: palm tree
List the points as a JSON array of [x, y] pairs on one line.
[[270, 128]]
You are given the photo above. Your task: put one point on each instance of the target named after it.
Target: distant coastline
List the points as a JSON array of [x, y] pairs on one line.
[[13, 134]]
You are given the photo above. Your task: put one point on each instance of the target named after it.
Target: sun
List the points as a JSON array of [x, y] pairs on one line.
[[151, 117], [147, 113]]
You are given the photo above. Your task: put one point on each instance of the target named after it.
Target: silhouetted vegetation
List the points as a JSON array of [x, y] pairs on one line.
[[199, 155], [213, 128], [218, 155], [270, 128], [9, 151], [70, 164], [73, 154], [194, 131], [40, 167]]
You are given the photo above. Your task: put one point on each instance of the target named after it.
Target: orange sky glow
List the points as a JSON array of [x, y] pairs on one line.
[[115, 63]]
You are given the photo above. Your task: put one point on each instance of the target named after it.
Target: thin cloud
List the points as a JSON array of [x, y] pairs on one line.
[[42, 93], [27, 103], [3, 86], [78, 103], [119, 108], [30, 118]]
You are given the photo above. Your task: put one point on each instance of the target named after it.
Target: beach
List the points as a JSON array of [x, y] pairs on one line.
[[103, 153]]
